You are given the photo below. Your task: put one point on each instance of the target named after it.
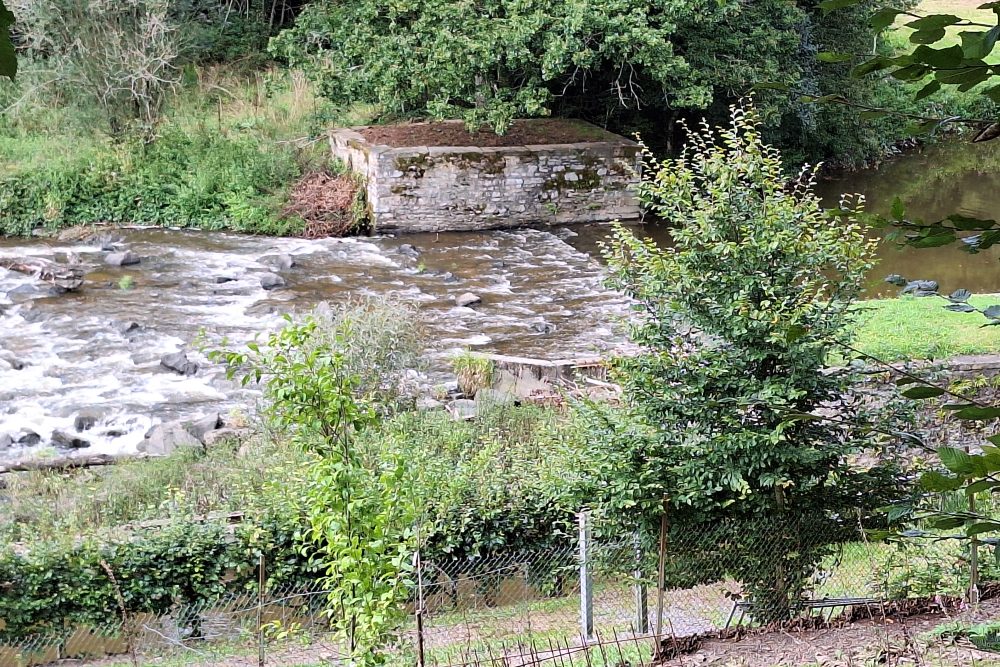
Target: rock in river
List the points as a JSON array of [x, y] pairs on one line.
[[179, 363], [271, 281], [125, 258], [68, 440], [468, 300]]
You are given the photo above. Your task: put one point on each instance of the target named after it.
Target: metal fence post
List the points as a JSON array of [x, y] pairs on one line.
[[641, 601], [586, 580]]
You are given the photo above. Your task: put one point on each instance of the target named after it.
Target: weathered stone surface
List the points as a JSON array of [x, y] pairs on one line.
[[202, 426], [463, 408], [68, 440], [167, 438], [125, 258], [467, 300], [488, 397], [270, 281], [224, 435], [179, 363], [448, 188]]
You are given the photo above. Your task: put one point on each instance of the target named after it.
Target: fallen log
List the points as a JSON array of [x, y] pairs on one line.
[[68, 462], [66, 278]]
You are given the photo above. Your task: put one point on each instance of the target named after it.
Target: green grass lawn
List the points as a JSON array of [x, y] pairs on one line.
[[966, 9], [911, 328]]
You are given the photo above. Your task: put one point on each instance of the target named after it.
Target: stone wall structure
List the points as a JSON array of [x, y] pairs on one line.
[[455, 188]]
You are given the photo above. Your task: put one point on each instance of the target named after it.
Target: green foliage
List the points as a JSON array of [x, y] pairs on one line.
[[184, 563], [505, 482], [926, 567], [473, 372], [737, 320], [200, 178], [360, 509], [913, 328]]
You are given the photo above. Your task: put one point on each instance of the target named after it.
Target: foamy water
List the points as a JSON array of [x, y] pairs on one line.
[[541, 297]]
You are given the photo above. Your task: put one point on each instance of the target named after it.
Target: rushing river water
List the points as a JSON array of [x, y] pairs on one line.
[[97, 351]]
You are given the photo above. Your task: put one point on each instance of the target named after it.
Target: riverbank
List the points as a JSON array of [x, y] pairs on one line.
[[920, 328], [234, 150]]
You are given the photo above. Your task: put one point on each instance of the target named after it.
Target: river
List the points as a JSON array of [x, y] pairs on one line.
[[96, 352]]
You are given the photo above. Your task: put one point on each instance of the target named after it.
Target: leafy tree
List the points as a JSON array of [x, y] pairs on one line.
[[738, 319], [360, 510], [626, 64], [8, 59]]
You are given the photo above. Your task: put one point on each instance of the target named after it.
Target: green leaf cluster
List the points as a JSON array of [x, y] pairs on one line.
[[726, 404]]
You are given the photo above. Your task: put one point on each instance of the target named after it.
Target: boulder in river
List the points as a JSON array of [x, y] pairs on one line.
[[270, 281], [28, 439], [202, 426], [282, 262], [124, 258], [224, 278], [86, 420], [179, 363], [164, 439], [68, 440], [8, 360], [467, 300], [128, 327], [5, 441], [409, 250]]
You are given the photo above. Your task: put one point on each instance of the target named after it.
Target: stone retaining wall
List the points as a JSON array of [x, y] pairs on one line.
[[455, 188]]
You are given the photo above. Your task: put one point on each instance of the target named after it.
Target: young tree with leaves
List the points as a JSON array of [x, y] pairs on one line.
[[737, 321], [360, 510]]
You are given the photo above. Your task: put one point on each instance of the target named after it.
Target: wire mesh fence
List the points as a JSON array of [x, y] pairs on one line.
[[682, 583]]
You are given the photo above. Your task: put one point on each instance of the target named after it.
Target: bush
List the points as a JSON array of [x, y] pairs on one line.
[[200, 178], [725, 410]]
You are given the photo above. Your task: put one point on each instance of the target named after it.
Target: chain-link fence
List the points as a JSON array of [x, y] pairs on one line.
[[680, 583]]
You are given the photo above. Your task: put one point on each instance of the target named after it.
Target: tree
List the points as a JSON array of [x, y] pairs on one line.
[[360, 509], [121, 54], [722, 408], [626, 64], [8, 59]]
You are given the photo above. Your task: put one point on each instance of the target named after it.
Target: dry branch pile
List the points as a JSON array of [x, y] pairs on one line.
[[324, 201]]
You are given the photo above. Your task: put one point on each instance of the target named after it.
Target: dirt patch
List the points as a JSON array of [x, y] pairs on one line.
[[888, 641], [324, 201], [522, 132]]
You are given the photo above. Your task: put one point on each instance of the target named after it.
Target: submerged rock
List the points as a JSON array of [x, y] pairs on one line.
[[179, 363], [68, 440], [467, 300], [125, 258], [270, 281], [282, 262]]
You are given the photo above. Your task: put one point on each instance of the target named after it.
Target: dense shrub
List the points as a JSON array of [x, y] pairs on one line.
[[188, 178], [501, 483], [724, 419]]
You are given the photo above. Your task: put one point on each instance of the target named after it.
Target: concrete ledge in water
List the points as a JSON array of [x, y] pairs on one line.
[[465, 188]]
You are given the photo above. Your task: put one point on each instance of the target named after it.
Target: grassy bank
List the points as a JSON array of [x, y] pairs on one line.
[[227, 154], [911, 328]]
